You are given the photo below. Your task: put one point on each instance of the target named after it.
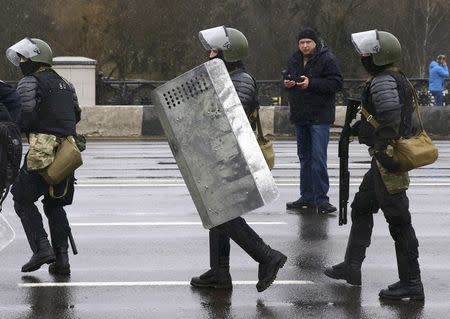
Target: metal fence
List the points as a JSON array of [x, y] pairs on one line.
[[271, 92]]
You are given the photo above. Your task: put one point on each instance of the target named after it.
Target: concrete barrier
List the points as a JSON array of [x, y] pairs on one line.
[[142, 121]]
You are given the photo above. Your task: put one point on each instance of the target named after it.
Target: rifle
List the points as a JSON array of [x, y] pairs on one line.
[[344, 174]]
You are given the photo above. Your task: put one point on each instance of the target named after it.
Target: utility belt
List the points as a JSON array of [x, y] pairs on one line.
[[55, 158]]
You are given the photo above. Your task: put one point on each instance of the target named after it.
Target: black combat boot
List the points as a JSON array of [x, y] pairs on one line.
[[43, 255], [412, 290], [219, 258], [270, 260], [358, 241], [267, 272], [406, 249], [350, 269], [61, 266], [401, 274]]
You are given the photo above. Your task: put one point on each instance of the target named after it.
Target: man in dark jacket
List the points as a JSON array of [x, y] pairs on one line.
[[312, 78], [387, 102], [270, 260], [49, 106]]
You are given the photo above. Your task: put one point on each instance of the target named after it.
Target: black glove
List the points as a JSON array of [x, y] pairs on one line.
[[354, 130], [387, 162]]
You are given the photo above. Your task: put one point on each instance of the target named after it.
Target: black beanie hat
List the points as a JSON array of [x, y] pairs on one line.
[[308, 33]]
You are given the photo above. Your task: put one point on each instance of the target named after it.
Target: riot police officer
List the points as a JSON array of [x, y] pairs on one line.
[[388, 99], [49, 106], [231, 46]]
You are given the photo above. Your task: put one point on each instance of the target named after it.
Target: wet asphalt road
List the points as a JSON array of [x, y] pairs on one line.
[[140, 241]]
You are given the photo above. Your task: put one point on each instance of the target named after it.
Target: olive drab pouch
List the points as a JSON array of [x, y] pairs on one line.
[[67, 160], [265, 145], [42, 151], [395, 182], [415, 152]]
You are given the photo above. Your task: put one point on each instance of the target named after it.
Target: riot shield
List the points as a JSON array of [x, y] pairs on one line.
[[213, 144], [6, 233]]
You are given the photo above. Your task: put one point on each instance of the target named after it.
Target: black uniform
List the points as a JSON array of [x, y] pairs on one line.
[[388, 97], [270, 260], [49, 105], [10, 103]]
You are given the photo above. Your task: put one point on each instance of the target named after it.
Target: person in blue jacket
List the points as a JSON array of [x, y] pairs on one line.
[[438, 72]]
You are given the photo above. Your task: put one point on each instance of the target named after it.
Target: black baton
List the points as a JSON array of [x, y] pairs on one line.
[[72, 243]]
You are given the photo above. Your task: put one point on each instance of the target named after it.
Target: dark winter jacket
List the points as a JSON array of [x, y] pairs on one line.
[[316, 104], [49, 104], [10, 103], [246, 89]]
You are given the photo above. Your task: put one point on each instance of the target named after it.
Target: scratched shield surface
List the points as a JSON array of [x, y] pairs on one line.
[[213, 144]]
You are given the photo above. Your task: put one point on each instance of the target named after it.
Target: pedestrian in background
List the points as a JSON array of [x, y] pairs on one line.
[[438, 73], [49, 107], [312, 78]]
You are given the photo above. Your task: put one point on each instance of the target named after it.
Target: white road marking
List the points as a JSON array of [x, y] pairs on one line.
[[162, 224], [148, 283], [181, 184]]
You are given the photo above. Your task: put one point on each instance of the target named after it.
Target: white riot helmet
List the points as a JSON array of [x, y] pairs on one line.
[[231, 42], [34, 49]]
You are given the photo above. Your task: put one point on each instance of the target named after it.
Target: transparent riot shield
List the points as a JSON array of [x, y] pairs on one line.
[[6, 233]]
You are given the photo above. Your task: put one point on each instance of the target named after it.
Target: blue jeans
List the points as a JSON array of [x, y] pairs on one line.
[[438, 97], [312, 144]]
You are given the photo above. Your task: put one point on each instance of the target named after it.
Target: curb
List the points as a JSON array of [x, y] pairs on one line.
[[141, 121]]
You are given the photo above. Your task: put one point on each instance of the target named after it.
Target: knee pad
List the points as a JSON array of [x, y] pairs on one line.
[[364, 203]]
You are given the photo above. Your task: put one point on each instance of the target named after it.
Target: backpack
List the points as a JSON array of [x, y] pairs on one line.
[[10, 156]]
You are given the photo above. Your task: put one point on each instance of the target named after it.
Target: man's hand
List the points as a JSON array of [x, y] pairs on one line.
[[354, 129], [387, 162], [289, 83], [304, 82]]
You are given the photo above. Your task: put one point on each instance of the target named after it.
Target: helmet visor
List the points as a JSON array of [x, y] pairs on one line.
[[215, 38], [366, 42], [25, 47]]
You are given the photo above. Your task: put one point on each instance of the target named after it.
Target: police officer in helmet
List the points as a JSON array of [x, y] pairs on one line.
[[388, 99], [49, 106], [231, 46]]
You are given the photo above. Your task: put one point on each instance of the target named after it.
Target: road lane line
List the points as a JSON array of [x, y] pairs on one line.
[[162, 224], [149, 283], [278, 184]]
